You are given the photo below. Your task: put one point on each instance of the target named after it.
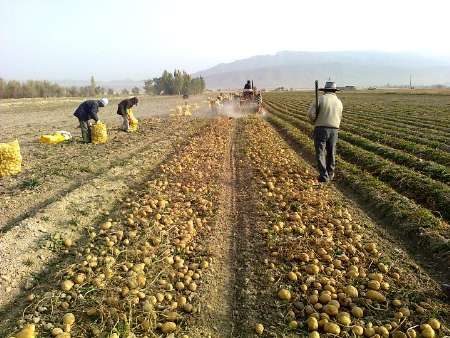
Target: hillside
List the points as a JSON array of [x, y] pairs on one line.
[[300, 69]]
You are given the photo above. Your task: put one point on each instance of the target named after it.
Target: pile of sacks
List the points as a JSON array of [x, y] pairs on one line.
[[10, 158], [99, 133]]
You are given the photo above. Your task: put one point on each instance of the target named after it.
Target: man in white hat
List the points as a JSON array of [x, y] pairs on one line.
[[88, 111], [327, 120]]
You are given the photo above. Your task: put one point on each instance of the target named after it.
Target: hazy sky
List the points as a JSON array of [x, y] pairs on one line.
[[137, 39]]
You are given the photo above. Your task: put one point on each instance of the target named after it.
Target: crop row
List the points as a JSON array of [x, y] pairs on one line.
[[409, 134], [330, 274], [437, 121], [421, 151]]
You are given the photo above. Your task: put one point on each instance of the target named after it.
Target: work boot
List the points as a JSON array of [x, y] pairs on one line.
[[322, 179]]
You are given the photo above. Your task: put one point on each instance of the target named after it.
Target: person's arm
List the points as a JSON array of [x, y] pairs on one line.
[[312, 112]]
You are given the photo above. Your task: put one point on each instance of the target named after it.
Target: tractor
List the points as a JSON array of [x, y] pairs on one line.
[[250, 100]]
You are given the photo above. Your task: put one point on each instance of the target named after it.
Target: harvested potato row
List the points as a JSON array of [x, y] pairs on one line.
[[330, 273], [138, 273]]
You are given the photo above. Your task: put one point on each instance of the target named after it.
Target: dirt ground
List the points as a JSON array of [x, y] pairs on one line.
[[63, 188]]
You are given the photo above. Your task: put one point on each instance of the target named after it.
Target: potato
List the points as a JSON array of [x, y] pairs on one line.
[[434, 323], [259, 329], [358, 330], [68, 242], [376, 296], [293, 324], [168, 327], [357, 312], [312, 269], [331, 310], [344, 318], [69, 319], [27, 332], [312, 323], [314, 334], [411, 333], [292, 276], [399, 334], [79, 278], [351, 291], [56, 331], [67, 285], [427, 331], [284, 294], [332, 328], [374, 285]]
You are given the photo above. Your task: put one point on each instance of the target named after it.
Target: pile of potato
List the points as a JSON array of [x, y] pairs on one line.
[[10, 158], [328, 274], [139, 273]]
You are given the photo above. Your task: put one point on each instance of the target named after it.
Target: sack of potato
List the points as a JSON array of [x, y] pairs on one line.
[[99, 133], [10, 158], [134, 123], [52, 138]]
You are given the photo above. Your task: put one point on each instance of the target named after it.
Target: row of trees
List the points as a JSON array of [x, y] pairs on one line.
[[15, 90], [176, 83]]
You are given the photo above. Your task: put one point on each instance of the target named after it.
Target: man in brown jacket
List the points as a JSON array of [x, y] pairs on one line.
[[326, 128]]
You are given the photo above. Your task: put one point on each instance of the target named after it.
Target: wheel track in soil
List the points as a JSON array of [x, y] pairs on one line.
[[234, 297], [216, 307]]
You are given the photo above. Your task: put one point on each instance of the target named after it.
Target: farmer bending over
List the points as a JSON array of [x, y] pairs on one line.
[[326, 127], [88, 111], [122, 109]]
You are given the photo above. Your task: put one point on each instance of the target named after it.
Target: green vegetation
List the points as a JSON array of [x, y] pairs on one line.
[[176, 83]]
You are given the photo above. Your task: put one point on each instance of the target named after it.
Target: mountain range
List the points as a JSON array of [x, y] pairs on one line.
[[292, 69]]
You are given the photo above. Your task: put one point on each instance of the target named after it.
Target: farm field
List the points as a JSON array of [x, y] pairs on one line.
[[393, 154], [211, 226]]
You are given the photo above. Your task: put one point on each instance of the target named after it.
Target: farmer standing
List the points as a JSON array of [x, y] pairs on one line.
[[122, 109], [326, 127], [86, 111]]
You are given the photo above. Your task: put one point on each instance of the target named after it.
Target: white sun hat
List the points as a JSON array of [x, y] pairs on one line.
[[104, 101]]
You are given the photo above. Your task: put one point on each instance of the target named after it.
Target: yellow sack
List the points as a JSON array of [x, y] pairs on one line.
[[10, 158], [134, 123], [99, 133], [52, 139]]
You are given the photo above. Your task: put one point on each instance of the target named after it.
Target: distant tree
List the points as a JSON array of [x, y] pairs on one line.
[[135, 90], [2, 88], [99, 90], [149, 87], [73, 91], [110, 92], [176, 83], [92, 86], [125, 92]]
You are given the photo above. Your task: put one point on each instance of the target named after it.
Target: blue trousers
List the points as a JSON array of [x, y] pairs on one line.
[[325, 140]]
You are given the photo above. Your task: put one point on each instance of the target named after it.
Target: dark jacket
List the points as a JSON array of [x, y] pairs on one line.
[[126, 104], [248, 86], [88, 110]]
